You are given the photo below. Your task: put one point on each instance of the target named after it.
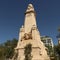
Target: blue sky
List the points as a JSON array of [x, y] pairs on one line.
[[12, 17]]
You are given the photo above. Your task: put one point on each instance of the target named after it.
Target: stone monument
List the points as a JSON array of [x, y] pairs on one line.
[[29, 34]]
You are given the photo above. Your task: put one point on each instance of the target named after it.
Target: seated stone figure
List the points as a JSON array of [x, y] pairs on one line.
[[27, 36]]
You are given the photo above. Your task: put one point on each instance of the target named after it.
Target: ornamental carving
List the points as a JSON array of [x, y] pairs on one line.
[[27, 36]]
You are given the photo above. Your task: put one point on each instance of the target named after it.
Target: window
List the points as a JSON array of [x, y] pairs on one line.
[[49, 41]]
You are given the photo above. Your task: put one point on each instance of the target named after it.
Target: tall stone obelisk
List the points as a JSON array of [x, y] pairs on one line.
[[29, 34]]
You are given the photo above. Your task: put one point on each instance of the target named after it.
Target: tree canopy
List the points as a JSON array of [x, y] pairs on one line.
[[7, 49]]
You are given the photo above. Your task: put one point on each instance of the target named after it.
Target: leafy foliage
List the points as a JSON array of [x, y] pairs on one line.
[[57, 49], [7, 49], [27, 52]]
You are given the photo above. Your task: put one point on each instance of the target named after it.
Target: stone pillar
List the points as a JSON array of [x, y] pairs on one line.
[[21, 35]]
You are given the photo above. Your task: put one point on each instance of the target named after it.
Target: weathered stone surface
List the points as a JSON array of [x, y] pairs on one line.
[[29, 34]]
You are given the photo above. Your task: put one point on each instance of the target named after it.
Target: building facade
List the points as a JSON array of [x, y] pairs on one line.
[[48, 42]]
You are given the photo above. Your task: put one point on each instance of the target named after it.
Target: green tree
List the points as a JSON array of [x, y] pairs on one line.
[[57, 47], [27, 52], [7, 48], [2, 52], [10, 45], [57, 50]]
